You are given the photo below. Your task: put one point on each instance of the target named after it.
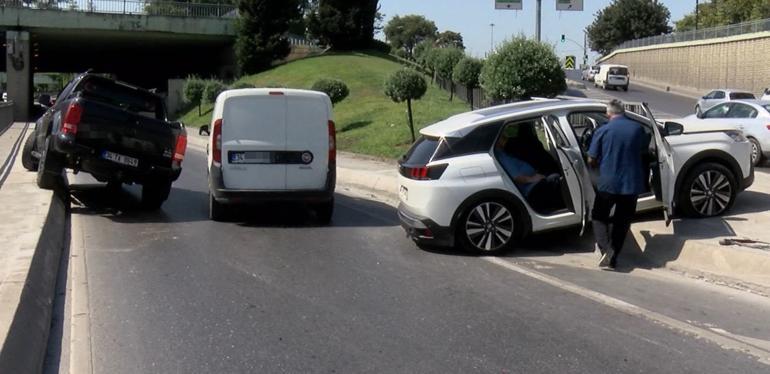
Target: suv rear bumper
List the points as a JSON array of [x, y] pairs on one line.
[[231, 196], [424, 230]]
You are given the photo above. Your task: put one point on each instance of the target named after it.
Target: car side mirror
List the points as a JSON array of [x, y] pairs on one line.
[[204, 130], [673, 129], [705, 98], [699, 115]]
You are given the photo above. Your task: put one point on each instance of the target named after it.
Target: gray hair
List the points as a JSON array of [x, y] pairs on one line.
[[616, 107]]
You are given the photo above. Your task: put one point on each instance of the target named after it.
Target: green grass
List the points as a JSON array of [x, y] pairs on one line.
[[368, 122]]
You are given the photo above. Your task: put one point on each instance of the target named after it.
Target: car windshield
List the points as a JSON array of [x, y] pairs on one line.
[[741, 96]]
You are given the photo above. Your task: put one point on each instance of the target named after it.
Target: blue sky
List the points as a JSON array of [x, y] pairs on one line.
[[472, 18]]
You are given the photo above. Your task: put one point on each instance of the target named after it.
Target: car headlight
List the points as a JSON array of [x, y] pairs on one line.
[[737, 136]]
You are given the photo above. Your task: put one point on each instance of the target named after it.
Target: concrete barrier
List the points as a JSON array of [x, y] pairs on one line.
[[6, 116]]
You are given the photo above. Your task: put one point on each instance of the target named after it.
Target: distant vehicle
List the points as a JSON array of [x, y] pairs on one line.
[[720, 96], [5, 96], [752, 117], [116, 132], [612, 76], [454, 190], [589, 73], [766, 96], [272, 145]]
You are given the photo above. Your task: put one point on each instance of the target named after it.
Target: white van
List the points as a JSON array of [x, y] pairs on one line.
[[272, 145], [615, 76]]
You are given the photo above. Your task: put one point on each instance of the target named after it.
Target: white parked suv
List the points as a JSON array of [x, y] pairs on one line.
[[272, 145], [455, 192]]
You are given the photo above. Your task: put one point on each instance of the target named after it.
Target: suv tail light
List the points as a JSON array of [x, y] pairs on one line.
[[216, 134], [423, 173], [72, 119], [768, 127], [180, 149], [332, 143]]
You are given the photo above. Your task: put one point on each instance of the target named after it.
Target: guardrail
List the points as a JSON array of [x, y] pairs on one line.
[[701, 34], [132, 7]]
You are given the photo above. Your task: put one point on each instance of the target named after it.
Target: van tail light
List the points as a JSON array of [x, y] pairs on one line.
[[72, 119], [180, 149], [768, 127], [332, 142], [216, 134], [423, 173]]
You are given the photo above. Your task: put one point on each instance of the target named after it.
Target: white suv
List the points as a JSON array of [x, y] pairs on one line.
[[455, 191]]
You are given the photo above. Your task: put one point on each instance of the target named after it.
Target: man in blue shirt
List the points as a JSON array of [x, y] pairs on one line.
[[617, 149]]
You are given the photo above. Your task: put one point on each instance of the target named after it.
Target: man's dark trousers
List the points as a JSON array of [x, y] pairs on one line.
[[611, 232]]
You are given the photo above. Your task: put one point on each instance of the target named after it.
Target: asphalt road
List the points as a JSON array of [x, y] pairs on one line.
[[172, 292], [659, 101]]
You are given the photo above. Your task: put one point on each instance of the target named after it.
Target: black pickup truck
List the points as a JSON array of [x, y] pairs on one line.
[[116, 132]]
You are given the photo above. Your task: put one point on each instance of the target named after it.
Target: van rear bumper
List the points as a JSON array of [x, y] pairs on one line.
[[233, 196]]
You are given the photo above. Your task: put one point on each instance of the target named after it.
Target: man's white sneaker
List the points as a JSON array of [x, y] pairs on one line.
[[606, 258]]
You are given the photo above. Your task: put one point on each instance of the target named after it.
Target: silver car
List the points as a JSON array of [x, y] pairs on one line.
[[720, 96], [590, 73]]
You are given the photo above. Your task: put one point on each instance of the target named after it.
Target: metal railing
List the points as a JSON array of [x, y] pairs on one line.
[[132, 7], [700, 34]]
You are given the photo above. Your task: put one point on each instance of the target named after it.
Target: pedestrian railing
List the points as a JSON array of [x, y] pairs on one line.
[[700, 34], [133, 7]]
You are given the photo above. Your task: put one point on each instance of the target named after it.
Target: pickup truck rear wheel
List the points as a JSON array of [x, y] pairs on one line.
[[49, 167], [154, 194], [27, 160]]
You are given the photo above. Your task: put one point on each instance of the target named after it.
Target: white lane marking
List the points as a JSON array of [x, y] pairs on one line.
[[727, 341], [80, 315]]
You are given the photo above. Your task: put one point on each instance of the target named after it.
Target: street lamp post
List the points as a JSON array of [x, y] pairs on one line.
[[537, 19], [697, 3], [492, 38]]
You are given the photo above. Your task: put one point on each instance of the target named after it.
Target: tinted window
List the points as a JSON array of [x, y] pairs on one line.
[[618, 71], [421, 151], [477, 141], [125, 97], [718, 95], [560, 138], [741, 96], [742, 111], [719, 111]]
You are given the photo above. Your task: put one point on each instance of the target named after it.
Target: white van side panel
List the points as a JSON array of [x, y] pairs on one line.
[[254, 123], [307, 130]]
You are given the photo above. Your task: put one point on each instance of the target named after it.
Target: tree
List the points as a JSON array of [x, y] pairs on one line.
[[725, 12], [406, 85], [405, 32], [450, 39], [212, 89], [625, 20], [522, 68], [241, 85], [193, 91], [336, 89], [344, 24], [421, 50], [446, 60], [262, 28], [467, 73]]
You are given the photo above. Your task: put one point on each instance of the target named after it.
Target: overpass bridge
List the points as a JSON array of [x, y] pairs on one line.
[[142, 42]]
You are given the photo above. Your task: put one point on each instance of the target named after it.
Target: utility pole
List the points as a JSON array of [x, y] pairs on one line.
[[492, 38], [585, 48], [697, 3], [537, 20]]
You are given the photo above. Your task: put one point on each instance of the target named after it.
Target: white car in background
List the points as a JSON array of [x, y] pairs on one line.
[[454, 192], [720, 96], [752, 117], [766, 96]]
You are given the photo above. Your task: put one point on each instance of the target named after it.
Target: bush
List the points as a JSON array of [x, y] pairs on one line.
[[241, 85], [406, 85], [467, 73], [193, 91], [402, 54], [379, 46], [336, 89], [522, 68], [421, 51], [445, 61], [212, 90]]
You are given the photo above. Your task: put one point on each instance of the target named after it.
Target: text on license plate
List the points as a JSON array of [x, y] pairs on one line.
[[403, 193], [120, 159]]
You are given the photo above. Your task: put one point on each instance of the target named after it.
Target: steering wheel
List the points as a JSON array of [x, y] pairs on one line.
[[585, 138]]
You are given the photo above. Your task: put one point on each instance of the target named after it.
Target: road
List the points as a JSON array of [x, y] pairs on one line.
[[172, 292], [663, 103]]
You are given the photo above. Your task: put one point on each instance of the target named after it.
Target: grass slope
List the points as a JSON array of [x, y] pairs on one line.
[[368, 122]]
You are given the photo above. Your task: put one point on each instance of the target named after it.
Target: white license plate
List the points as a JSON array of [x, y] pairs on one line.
[[403, 193], [120, 159]]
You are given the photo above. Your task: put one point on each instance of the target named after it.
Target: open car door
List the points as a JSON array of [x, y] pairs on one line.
[[569, 167], [664, 181]]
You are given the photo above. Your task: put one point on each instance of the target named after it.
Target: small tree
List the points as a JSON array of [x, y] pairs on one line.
[[212, 90], [522, 68], [446, 60], [467, 73], [421, 50], [336, 89], [193, 91], [406, 85]]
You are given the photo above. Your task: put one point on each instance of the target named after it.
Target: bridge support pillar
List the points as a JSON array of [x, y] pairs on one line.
[[19, 73]]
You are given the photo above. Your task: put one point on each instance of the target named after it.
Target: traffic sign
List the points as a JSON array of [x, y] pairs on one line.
[[576, 5], [509, 4], [569, 62]]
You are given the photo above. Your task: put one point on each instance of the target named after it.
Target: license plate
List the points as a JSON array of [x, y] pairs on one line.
[[120, 159], [403, 193], [251, 157]]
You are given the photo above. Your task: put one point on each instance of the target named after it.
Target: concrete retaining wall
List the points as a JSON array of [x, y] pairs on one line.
[[6, 115], [741, 62]]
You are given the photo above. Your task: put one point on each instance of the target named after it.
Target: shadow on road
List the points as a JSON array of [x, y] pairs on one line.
[[123, 205]]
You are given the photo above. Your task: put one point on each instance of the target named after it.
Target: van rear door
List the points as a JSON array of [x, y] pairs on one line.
[[253, 133], [307, 132]]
